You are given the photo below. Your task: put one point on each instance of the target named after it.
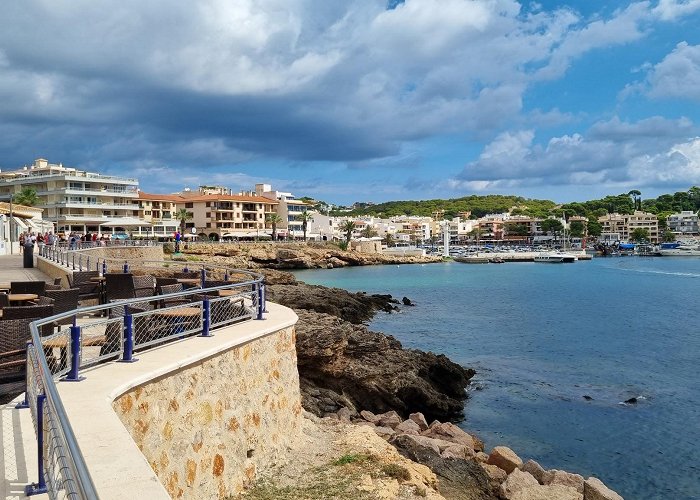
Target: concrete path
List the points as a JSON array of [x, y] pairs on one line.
[[18, 460], [11, 269]]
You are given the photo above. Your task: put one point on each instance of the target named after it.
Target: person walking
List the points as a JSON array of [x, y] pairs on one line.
[[177, 241]]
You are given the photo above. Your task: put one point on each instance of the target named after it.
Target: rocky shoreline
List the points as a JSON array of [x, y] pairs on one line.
[[366, 378]]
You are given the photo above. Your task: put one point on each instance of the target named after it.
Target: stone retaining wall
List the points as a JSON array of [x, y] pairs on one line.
[[207, 428], [134, 254]]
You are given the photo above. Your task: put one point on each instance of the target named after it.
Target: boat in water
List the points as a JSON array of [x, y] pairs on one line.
[[555, 257], [679, 249]]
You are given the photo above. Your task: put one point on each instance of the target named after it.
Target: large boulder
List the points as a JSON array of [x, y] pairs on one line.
[[564, 478], [351, 366], [516, 481], [449, 432], [459, 479], [390, 419], [535, 469], [505, 458], [408, 427], [549, 492], [594, 489], [419, 419]]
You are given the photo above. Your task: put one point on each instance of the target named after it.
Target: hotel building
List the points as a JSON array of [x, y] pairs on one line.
[[76, 200]]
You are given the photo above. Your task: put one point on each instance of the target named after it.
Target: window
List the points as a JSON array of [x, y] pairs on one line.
[[208, 224], [208, 205], [208, 213], [189, 205]]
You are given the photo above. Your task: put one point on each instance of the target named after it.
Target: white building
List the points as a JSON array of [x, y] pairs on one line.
[[289, 209], [76, 200], [684, 223]]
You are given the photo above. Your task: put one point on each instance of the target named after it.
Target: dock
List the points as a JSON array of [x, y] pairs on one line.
[[485, 257]]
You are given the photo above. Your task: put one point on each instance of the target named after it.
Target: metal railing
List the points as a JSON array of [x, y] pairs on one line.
[[114, 331]]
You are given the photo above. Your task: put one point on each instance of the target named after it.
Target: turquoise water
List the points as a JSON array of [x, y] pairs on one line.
[[542, 336]]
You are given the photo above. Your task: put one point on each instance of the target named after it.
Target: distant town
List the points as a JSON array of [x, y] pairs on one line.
[[67, 201]]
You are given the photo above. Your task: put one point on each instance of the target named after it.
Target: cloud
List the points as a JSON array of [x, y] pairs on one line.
[[670, 10], [654, 151], [298, 80], [677, 75]]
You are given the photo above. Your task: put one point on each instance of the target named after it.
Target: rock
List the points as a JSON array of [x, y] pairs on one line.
[[384, 432], [369, 416], [361, 369], [457, 451], [505, 458], [564, 478], [550, 492], [482, 457], [345, 414], [535, 469], [408, 427], [587, 397], [449, 432], [407, 302], [389, 419], [419, 419], [594, 489], [516, 481], [631, 401], [459, 479], [496, 474]]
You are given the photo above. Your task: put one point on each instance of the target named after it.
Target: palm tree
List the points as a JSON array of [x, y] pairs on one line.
[[305, 217], [347, 227], [27, 196], [368, 232], [273, 219], [183, 216]]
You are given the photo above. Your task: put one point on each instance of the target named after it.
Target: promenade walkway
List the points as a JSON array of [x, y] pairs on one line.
[[11, 270], [18, 460]]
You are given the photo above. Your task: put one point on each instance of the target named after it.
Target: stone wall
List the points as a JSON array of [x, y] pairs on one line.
[[154, 252], [206, 429], [52, 269]]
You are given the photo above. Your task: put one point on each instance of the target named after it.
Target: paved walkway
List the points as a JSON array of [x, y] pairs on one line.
[[18, 460], [11, 269]]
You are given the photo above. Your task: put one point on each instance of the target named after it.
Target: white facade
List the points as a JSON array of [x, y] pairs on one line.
[[73, 199], [685, 222], [289, 209]]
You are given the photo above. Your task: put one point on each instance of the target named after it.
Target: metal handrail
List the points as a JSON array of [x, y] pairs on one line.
[[71, 471]]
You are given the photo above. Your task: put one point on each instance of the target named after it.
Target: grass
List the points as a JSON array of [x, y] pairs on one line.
[[352, 458]]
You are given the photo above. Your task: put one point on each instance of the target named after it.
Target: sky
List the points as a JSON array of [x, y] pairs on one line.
[[359, 100]]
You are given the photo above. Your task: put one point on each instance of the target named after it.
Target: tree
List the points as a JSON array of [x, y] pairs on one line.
[[640, 235], [305, 217], [347, 227], [636, 199], [273, 219], [388, 239], [577, 229], [552, 226], [368, 232], [183, 215], [476, 234], [669, 236], [27, 196], [595, 228]]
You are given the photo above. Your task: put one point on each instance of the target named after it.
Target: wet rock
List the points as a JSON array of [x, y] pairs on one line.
[[587, 397], [407, 302], [631, 401], [594, 489], [505, 458]]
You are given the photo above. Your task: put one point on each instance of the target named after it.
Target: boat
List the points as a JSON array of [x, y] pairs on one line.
[[496, 260], [679, 250], [555, 257]]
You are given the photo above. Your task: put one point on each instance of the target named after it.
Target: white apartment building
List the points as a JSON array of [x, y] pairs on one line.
[[288, 208], [683, 223], [76, 200]]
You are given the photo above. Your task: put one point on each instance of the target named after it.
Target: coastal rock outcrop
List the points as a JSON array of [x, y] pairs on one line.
[[344, 364]]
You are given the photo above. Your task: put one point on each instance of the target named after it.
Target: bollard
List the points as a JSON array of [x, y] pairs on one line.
[[40, 487], [185, 270], [226, 275], [104, 267], [206, 318], [73, 375], [126, 267], [128, 337]]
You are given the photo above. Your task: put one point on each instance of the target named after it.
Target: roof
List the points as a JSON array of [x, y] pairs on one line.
[[19, 210], [205, 197]]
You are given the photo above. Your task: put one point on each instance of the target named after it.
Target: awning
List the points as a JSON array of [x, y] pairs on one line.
[[20, 222], [125, 222]]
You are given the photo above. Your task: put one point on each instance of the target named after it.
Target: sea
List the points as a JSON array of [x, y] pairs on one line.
[[558, 349]]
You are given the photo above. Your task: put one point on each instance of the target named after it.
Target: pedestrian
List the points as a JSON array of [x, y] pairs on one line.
[[177, 241]]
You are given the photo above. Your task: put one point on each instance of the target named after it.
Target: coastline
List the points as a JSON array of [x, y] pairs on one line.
[[365, 378]]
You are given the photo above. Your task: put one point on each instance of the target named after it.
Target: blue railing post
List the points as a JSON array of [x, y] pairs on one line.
[[185, 270], [206, 318], [104, 267], [203, 276], [264, 297], [128, 337], [39, 487], [226, 275], [73, 375], [261, 306], [87, 266], [126, 267]]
